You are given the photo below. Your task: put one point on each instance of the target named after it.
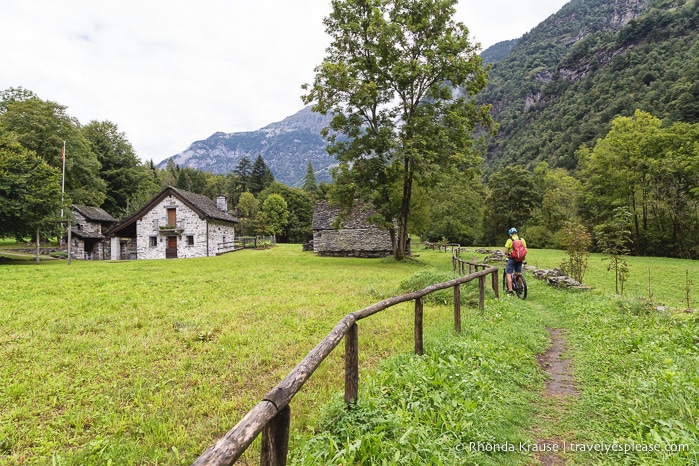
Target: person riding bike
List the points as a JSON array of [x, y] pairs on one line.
[[515, 250]]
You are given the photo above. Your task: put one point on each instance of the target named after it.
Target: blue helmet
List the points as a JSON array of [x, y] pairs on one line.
[[512, 231]]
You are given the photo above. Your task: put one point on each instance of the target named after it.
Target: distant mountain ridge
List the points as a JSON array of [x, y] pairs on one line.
[[553, 89], [286, 147]]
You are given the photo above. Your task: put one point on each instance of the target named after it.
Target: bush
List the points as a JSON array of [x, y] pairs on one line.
[[59, 255]]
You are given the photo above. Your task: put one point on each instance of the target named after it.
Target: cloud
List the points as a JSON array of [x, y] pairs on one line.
[[172, 72]]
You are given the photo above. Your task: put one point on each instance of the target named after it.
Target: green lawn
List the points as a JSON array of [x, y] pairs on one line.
[[149, 362]]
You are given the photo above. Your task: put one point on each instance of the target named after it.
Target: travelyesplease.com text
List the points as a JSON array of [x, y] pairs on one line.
[[565, 447]]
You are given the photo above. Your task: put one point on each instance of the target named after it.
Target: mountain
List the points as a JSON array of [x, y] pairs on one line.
[[285, 146], [565, 81], [555, 88]]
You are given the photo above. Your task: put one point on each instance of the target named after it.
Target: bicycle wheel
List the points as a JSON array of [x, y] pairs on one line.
[[520, 286], [504, 281]]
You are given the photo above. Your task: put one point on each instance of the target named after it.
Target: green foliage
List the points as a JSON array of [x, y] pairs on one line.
[[652, 172], [512, 198], [310, 185], [300, 206], [577, 241], [388, 80], [425, 278], [273, 216], [30, 190], [452, 208], [260, 176], [126, 178], [650, 63], [42, 127], [613, 239]]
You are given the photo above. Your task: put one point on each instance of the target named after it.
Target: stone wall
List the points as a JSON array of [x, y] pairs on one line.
[[221, 236], [354, 242]]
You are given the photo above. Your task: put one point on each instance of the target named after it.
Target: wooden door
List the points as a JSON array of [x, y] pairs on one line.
[[171, 250], [172, 217]]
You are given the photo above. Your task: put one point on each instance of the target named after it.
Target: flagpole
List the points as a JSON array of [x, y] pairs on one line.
[[63, 187], [63, 180]]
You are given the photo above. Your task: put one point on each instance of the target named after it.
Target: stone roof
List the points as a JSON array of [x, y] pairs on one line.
[[205, 205], [86, 234], [324, 216], [94, 213]]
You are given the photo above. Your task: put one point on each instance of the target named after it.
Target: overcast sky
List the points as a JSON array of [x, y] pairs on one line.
[[169, 73]]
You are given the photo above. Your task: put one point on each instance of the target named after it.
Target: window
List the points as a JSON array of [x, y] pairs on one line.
[[153, 241], [190, 240]]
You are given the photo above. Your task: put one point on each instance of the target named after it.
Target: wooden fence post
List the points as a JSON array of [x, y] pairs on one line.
[[496, 285], [481, 292], [419, 349], [275, 439], [352, 365], [457, 308]]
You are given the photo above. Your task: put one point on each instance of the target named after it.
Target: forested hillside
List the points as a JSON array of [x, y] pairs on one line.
[[566, 80]]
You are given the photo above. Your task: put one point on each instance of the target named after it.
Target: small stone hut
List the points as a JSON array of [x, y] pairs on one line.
[[358, 237], [88, 240]]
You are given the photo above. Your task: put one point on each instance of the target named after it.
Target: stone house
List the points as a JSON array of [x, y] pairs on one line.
[[87, 232], [358, 237], [175, 224]]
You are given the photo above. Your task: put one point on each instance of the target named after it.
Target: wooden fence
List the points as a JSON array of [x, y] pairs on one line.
[[272, 415]]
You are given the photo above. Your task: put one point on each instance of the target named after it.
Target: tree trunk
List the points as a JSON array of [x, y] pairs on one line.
[[38, 245], [404, 210]]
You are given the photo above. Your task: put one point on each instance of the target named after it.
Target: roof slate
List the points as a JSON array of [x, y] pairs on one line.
[[94, 213], [324, 216], [205, 205]]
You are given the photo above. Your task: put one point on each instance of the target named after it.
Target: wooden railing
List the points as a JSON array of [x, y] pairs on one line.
[[443, 246], [272, 415]]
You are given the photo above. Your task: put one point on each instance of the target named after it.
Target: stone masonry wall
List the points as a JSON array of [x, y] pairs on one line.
[[358, 242], [187, 222], [221, 236]]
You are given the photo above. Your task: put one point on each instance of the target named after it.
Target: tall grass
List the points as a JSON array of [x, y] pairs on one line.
[[476, 398], [148, 362]]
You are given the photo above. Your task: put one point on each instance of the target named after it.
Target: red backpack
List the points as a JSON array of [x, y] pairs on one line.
[[519, 252]]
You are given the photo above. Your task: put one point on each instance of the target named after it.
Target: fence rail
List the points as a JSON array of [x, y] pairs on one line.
[[272, 415]]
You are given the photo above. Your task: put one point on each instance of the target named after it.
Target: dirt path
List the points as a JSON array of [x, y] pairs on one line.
[[560, 388]]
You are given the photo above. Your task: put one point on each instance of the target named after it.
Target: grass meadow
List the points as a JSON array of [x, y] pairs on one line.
[[149, 362]]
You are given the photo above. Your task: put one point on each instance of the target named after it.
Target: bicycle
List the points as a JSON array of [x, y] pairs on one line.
[[519, 284]]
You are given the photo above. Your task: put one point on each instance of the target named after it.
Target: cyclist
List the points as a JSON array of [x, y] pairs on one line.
[[513, 265]]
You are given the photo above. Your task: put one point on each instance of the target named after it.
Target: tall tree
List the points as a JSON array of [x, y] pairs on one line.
[[242, 171], [310, 184], [398, 79], [273, 216], [260, 176], [300, 206], [120, 169], [511, 199], [42, 127], [30, 190]]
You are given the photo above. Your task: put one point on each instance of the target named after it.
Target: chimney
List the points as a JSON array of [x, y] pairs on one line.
[[221, 203]]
